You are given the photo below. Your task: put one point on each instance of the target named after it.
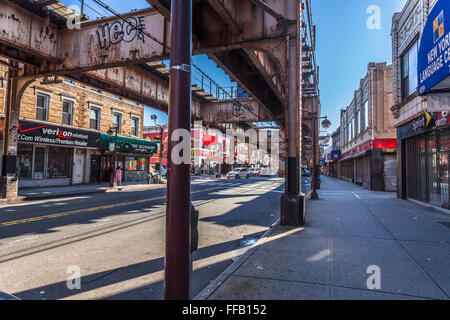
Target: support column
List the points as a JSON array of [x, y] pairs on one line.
[[9, 182], [293, 201], [178, 264]]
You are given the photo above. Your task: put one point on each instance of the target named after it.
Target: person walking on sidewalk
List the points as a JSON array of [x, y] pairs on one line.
[[118, 176]]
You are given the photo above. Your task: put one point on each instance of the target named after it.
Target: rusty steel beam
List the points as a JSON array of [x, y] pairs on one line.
[[27, 32], [239, 111], [163, 6], [136, 37], [267, 8]]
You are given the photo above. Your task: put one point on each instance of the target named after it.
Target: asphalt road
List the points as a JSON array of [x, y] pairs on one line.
[[116, 240]]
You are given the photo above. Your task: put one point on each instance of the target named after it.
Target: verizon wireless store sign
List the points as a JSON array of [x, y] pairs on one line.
[[36, 132]]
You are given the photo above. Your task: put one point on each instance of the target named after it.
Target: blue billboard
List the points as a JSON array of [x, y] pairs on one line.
[[434, 50]]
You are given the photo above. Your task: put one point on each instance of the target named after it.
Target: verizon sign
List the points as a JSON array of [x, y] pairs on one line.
[[35, 132]]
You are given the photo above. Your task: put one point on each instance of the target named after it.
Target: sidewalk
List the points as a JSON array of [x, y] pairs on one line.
[[347, 230]]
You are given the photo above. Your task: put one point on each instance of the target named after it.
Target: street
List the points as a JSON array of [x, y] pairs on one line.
[[117, 239]]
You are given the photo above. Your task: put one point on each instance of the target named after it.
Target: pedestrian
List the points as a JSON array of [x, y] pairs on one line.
[[119, 176]]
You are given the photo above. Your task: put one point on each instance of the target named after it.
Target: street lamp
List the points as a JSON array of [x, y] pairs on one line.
[[325, 124], [113, 182]]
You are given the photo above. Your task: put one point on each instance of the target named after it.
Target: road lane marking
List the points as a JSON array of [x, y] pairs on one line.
[[356, 195], [110, 206]]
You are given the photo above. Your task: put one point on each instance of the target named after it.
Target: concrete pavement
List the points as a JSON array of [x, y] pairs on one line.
[[357, 244]]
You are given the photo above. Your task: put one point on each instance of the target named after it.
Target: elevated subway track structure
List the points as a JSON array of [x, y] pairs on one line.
[[266, 47]]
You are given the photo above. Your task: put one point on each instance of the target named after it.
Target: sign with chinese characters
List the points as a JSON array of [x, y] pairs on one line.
[[434, 50]]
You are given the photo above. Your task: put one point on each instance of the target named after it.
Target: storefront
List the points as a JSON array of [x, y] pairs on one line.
[[51, 155], [424, 142], [133, 156], [425, 147], [371, 165]]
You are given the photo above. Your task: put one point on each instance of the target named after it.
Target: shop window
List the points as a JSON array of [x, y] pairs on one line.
[[67, 111], [135, 126], [39, 163], [42, 103], [117, 121], [94, 119], [143, 164], [25, 159], [131, 164], [59, 162], [409, 71]]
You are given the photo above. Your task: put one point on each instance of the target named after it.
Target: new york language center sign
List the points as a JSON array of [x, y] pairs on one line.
[[434, 50]]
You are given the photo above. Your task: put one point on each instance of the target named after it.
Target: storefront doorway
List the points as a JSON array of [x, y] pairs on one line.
[[427, 167], [95, 168]]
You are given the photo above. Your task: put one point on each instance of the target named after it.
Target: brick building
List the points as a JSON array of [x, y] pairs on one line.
[[367, 133], [420, 34], [63, 136]]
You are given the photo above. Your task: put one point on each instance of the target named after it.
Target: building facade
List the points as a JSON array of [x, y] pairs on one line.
[[421, 92], [367, 134], [334, 168], [63, 136]]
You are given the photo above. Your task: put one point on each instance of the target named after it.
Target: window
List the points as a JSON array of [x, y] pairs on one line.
[[131, 164], [94, 119], [39, 162], [135, 126], [357, 123], [409, 71], [350, 128], [143, 164], [96, 90], [117, 121], [69, 81], [42, 102], [25, 158], [366, 114], [59, 162], [67, 110]]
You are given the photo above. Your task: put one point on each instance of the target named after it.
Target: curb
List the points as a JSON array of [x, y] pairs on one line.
[[213, 286]]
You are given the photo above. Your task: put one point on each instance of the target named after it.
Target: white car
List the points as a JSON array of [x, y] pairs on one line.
[[238, 173]]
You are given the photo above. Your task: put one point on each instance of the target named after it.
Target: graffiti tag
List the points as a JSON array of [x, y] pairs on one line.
[[238, 109], [114, 33]]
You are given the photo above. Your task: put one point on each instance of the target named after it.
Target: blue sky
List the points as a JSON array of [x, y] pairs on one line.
[[345, 46]]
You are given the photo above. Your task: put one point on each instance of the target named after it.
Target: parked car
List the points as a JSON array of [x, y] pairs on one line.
[[252, 172], [281, 173], [238, 173]]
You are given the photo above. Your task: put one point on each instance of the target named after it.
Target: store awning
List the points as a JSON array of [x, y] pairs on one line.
[[128, 144]]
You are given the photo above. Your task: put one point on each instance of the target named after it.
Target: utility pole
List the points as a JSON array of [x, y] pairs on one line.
[[178, 264]]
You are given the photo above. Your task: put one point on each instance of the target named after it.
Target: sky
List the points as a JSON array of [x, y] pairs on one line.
[[345, 46]]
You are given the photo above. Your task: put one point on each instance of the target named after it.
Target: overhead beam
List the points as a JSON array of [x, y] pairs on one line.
[[137, 37], [238, 111]]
